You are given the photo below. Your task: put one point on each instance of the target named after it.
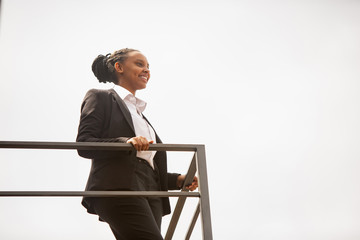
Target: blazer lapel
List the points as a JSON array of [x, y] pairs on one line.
[[158, 140], [123, 108]]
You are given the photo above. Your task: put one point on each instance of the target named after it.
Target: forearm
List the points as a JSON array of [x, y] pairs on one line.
[[173, 181]]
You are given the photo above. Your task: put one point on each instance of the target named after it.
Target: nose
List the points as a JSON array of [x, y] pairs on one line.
[[146, 69]]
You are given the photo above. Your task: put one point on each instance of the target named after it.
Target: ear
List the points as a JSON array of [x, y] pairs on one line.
[[118, 67]]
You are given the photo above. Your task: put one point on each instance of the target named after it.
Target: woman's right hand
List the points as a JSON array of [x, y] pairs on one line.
[[140, 143]]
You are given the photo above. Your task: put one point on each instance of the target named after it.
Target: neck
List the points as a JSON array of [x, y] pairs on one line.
[[127, 88]]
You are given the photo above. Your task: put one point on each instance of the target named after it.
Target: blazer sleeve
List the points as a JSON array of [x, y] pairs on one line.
[[172, 180], [93, 116]]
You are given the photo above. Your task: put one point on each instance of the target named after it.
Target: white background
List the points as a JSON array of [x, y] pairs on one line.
[[270, 87]]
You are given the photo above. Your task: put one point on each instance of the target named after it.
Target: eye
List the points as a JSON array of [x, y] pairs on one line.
[[139, 64]]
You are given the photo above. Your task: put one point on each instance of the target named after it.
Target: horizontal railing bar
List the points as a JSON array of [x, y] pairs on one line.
[[94, 146], [97, 194]]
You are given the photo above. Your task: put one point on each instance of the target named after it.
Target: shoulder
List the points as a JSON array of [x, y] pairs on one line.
[[100, 94], [95, 98]]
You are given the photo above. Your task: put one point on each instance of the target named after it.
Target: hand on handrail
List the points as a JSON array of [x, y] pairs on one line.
[[193, 186], [140, 143]]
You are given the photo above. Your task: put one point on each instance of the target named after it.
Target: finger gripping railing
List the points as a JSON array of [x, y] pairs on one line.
[[197, 164]]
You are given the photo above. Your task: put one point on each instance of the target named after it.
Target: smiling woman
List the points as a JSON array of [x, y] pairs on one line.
[[115, 115]]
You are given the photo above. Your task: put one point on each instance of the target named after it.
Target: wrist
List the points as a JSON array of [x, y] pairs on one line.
[[179, 181]]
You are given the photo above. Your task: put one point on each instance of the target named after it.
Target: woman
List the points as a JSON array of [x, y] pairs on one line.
[[115, 115]]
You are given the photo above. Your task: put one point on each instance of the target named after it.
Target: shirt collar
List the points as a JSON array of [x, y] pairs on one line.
[[122, 92], [125, 95]]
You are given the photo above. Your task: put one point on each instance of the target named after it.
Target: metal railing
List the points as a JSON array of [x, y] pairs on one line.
[[197, 164]]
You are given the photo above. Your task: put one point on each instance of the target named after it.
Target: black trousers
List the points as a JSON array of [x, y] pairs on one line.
[[134, 217]]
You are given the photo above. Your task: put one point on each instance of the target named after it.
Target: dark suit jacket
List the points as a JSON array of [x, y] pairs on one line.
[[105, 118]]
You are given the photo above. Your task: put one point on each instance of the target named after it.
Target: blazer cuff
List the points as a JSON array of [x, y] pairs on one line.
[[123, 139], [172, 180]]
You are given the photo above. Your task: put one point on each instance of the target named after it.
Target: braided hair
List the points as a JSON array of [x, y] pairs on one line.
[[103, 66]]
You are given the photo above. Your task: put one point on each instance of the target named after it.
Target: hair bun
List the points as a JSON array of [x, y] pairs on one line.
[[100, 68]]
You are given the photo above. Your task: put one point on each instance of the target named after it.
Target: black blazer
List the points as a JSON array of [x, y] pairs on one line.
[[106, 118]]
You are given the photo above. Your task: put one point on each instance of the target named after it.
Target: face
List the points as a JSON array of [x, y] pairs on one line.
[[134, 72]]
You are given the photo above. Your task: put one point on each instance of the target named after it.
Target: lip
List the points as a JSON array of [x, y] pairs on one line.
[[144, 77]]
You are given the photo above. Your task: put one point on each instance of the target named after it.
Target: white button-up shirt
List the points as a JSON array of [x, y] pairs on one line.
[[142, 128]]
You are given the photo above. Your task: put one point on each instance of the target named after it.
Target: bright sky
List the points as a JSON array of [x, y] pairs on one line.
[[270, 87]]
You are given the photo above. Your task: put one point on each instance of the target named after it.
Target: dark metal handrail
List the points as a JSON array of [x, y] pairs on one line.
[[198, 164], [96, 146], [97, 194]]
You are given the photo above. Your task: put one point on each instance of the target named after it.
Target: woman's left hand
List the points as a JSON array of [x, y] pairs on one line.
[[191, 187]]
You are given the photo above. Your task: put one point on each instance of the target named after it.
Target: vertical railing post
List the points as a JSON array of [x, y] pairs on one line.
[[204, 193]]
